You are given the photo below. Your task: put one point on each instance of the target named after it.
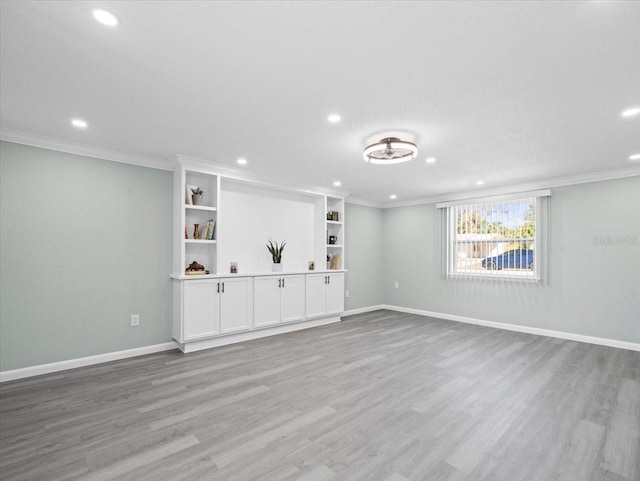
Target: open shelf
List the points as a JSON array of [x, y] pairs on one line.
[[334, 229], [187, 215], [201, 207]]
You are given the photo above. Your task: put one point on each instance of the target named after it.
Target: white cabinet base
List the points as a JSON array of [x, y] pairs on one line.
[[193, 346]]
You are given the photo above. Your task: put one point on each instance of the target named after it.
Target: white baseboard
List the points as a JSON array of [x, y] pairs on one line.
[[167, 346], [602, 341], [83, 361], [362, 310]]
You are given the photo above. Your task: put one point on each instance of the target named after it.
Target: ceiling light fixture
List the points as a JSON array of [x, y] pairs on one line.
[[334, 118], [431, 160], [79, 123], [390, 150], [242, 161], [632, 112], [105, 18], [634, 157], [392, 196], [337, 183], [480, 182]]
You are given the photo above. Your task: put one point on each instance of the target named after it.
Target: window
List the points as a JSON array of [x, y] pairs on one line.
[[500, 237]]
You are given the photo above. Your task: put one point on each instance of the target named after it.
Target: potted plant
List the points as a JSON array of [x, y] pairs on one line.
[[276, 254], [197, 195]]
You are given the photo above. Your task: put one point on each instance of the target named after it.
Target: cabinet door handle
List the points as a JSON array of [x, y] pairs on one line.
[[328, 279], [282, 282], [218, 288], [279, 282], [223, 287]]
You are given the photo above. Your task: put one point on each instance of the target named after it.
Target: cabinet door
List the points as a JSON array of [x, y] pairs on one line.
[[316, 304], [266, 301], [335, 294], [236, 306], [200, 309], [292, 298]]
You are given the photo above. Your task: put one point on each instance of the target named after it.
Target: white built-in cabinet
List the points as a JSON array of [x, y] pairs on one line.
[[223, 307], [235, 304], [324, 294], [201, 312], [209, 307], [278, 299]]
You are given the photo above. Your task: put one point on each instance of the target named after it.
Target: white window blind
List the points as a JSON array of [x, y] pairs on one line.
[[501, 238]]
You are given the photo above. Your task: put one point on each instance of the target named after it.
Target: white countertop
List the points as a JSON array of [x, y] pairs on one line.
[[184, 277]]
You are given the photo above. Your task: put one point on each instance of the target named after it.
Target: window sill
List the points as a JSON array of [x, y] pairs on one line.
[[494, 278]]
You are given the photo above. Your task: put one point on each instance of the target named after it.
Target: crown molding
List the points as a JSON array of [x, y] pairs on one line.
[[535, 185], [255, 177], [268, 180], [364, 202], [44, 142]]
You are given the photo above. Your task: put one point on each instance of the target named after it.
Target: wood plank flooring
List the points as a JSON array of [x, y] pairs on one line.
[[382, 396]]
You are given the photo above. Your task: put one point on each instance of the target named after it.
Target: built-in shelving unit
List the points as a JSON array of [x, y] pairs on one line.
[[334, 206], [186, 247], [220, 307]]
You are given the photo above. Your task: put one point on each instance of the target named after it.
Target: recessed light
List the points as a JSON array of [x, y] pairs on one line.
[[105, 18], [431, 160], [334, 118], [242, 161], [79, 123], [480, 182], [632, 112], [337, 183], [634, 157], [392, 196]]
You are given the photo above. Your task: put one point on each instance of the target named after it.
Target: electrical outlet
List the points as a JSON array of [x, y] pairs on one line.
[[346, 293], [397, 285], [135, 319]]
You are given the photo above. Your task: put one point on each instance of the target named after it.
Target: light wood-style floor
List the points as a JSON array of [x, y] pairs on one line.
[[381, 396]]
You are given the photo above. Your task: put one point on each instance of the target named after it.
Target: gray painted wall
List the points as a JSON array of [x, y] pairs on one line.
[[363, 256], [592, 289], [85, 243]]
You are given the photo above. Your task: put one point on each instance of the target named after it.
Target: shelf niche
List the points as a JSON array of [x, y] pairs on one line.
[[187, 249]]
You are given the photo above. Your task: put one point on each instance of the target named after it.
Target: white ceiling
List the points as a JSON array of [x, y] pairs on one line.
[[505, 92]]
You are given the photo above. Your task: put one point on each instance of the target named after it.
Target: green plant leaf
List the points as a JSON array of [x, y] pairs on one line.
[[276, 251]]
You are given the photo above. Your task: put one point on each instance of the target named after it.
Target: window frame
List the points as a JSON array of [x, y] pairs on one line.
[[449, 224]]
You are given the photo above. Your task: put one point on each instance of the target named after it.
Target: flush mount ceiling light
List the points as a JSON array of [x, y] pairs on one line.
[[632, 112], [390, 150]]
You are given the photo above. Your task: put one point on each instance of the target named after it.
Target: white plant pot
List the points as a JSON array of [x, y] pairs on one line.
[[276, 267]]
